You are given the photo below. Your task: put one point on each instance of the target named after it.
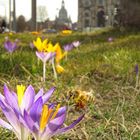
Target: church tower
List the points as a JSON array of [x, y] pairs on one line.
[[63, 12], [63, 21]]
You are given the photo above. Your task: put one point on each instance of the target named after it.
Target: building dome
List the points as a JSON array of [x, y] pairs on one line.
[[63, 21], [63, 12]]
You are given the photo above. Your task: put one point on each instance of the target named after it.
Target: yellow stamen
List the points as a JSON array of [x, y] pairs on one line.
[[46, 112], [56, 111], [20, 93]]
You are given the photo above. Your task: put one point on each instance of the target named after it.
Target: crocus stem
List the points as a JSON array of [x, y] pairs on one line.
[[137, 80], [38, 62], [24, 134], [77, 48], [44, 71], [11, 61], [54, 70], [66, 57]]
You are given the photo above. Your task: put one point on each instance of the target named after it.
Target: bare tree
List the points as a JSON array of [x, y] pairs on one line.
[[41, 13]]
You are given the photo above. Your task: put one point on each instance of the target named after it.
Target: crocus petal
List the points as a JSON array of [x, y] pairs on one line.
[[9, 46], [44, 44], [51, 106], [40, 55], [47, 95], [5, 124], [14, 46], [30, 123], [10, 98], [12, 118], [23, 126], [35, 111], [62, 130], [59, 54], [39, 94], [68, 47], [28, 98], [56, 123], [59, 69], [3, 105], [61, 111], [43, 56], [53, 126], [76, 43], [2, 98], [25, 133], [39, 44]]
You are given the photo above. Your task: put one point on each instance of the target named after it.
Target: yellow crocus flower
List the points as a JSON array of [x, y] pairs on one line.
[[59, 68], [50, 47], [67, 32], [40, 45], [35, 33], [59, 54]]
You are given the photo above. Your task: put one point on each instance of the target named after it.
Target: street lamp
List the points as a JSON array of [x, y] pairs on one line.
[[10, 23], [12, 15], [34, 25]]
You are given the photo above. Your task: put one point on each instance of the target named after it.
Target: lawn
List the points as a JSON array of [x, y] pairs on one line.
[[105, 68]]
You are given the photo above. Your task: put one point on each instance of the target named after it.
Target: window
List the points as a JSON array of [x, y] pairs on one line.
[[87, 23], [100, 2], [86, 14]]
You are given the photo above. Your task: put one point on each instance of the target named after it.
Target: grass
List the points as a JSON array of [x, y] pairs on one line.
[[106, 68]]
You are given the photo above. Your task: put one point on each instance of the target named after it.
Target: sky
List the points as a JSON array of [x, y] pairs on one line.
[[23, 7]]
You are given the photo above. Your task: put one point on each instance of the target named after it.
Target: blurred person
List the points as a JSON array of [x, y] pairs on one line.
[[3, 26]]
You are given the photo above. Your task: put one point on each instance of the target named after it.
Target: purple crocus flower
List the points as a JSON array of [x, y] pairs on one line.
[[68, 47], [10, 46], [50, 122], [32, 115], [110, 39], [45, 56], [76, 44], [14, 112]]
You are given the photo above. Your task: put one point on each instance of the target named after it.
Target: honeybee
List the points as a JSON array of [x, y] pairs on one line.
[[81, 98]]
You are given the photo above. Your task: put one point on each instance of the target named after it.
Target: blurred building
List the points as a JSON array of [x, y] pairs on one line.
[[96, 13]]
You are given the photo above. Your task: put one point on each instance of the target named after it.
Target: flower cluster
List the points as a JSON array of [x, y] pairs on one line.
[[47, 51]]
